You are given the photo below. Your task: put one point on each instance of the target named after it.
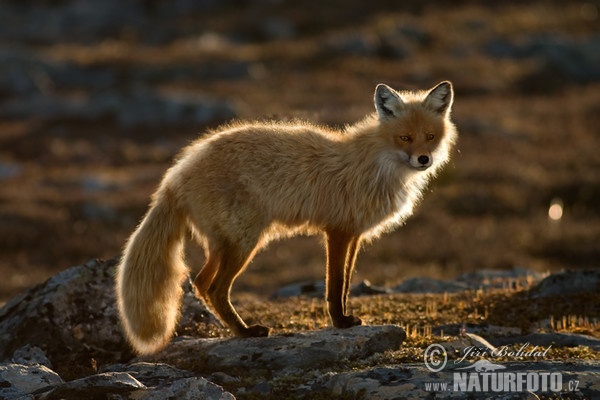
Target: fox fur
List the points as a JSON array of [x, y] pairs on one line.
[[248, 183]]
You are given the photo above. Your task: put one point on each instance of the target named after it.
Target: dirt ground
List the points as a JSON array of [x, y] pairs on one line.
[[527, 107]]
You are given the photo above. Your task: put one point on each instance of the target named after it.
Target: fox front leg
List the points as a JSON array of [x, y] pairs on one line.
[[339, 247]]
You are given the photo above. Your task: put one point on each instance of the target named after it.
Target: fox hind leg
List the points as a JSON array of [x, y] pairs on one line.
[[206, 275], [349, 269], [233, 259], [341, 251]]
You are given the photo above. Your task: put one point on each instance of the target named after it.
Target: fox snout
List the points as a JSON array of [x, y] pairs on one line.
[[420, 161]]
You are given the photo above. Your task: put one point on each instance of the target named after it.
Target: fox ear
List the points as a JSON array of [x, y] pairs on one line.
[[439, 99], [387, 102]]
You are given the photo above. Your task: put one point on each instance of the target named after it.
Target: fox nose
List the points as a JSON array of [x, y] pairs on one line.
[[423, 159]]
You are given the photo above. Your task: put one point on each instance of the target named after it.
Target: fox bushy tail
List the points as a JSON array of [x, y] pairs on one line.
[[150, 275]]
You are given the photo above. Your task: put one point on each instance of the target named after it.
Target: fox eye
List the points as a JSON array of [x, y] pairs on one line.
[[405, 138], [430, 136]]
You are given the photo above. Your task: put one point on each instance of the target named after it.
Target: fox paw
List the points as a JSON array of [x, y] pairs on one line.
[[255, 331], [347, 321]]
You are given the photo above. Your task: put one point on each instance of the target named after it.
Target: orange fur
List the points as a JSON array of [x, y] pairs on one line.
[[249, 183]]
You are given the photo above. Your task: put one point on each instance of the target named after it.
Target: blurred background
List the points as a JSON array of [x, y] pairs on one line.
[[98, 96]]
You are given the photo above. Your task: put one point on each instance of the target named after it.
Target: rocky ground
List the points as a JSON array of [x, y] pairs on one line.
[[62, 340]]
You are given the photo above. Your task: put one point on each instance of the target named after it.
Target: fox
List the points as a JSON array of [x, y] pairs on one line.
[[245, 184]]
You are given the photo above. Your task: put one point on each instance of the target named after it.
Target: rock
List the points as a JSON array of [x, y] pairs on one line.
[[263, 388], [274, 28], [19, 380], [429, 285], [414, 381], [145, 107], [73, 310], [31, 355], [468, 340], [35, 86], [24, 72], [481, 279], [352, 43], [72, 317], [561, 59], [150, 374], [555, 339], [9, 170], [166, 382], [306, 288], [91, 21], [186, 389], [365, 288], [484, 329], [137, 107], [280, 354], [94, 386], [317, 289], [568, 283], [500, 278], [376, 384]]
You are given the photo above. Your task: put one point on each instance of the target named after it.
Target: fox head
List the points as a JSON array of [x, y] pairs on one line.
[[416, 123]]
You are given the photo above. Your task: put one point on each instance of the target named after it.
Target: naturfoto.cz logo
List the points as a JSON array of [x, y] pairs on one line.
[[486, 376]]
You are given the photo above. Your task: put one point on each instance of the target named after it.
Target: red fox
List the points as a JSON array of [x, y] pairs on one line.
[[247, 184]]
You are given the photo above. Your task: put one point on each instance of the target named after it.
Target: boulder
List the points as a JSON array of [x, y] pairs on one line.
[[280, 354], [317, 289], [430, 285], [186, 389], [568, 283], [73, 319], [555, 339], [93, 387], [18, 380], [415, 381]]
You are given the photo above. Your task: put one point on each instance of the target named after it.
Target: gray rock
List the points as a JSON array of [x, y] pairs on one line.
[[365, 288], [24, 72], [129, 108], [20, 380], [317, 289], [353, 43], [150, 374], [306, 288], [430, 285], [34, 87], [145, 107], [278, 28], [72, 317], [413, 381], [9, 170], [486, 278], [91, 21], [31, 355], [555, 339], [484, 329], [466, 340], [568, 283], [263, 388], [94, 386], [500, 278], [280, 354], [561, 59], [73, 310], [162, 381], [186, 389]]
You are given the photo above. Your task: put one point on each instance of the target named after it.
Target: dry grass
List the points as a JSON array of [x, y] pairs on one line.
[[509, 310]]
